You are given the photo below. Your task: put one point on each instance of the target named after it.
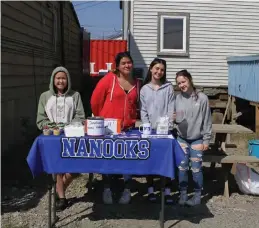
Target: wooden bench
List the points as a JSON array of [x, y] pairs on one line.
[[227, 160]]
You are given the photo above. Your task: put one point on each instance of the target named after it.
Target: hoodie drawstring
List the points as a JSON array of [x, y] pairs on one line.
[[138, 89], [113, 84], [57, 110]]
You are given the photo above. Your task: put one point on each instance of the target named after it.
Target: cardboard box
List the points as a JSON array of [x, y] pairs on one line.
[[112, 126]]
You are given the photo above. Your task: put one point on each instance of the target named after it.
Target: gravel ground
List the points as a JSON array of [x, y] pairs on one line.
[[27, 207]]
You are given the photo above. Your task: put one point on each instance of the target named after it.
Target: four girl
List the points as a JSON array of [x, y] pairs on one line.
[[117, 96]]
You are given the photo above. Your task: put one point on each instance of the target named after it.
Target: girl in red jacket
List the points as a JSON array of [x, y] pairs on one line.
[[116, 96]]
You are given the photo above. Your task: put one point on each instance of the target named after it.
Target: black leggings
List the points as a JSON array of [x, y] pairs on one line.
[[150, 181], [107, 179]]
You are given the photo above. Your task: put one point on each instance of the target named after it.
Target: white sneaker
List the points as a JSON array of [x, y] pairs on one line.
[[107, 196], [125, 197]]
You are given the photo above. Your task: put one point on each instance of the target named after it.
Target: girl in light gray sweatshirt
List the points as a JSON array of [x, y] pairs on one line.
[[156, 100], [194, 126]]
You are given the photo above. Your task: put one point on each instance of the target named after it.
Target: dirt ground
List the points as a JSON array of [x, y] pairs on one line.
[[25, 205]]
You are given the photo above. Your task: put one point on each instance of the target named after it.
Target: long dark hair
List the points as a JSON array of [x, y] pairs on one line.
[[118, 58], [149, 74], [187, 75]]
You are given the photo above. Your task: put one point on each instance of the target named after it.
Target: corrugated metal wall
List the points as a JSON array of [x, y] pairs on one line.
[[73, 47], [243, 77], [31, 45], [103, 52]]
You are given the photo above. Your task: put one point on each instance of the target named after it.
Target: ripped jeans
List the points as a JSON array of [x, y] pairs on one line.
[[193, 154]]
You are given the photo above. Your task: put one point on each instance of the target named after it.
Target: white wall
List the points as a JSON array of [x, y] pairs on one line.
[[218, 29]]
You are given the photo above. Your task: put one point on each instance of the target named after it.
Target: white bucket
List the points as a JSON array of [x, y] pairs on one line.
[[95, 126]]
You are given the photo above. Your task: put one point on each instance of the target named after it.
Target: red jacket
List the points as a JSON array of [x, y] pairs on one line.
[[109, 100]]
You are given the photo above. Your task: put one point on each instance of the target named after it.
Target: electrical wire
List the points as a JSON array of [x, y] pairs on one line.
[[91, 5], [83, 3]]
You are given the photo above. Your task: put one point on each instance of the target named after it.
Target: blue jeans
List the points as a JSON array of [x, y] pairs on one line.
[[193, 158]]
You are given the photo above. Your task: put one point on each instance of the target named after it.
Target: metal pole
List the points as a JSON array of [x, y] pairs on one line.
[[50, 194], [162, 212], [125, 19], [54, 177]]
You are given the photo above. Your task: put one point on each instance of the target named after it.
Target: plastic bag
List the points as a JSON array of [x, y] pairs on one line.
[[247, 180], [162, 125]]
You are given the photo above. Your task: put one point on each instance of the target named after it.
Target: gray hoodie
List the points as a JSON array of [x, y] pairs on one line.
[[156, 103], [64, 108], [193, 116]]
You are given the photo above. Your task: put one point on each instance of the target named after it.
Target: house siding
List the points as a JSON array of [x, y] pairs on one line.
[[29, 52], [218, 29]]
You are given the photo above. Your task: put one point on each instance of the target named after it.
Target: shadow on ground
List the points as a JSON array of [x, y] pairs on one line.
[[141, 209], [20, 192]]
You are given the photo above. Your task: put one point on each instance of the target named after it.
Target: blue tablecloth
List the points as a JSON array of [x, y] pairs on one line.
[[128, 155]]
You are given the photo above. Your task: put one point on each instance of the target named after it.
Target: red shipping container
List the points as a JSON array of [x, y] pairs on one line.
[[102, 54]]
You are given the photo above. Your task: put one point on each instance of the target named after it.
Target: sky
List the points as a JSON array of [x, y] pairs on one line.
[[100, 18]]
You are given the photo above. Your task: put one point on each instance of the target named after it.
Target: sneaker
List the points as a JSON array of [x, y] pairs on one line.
[[61, 204], [107, 196], [125, 197], [195, 200], [183, 198]]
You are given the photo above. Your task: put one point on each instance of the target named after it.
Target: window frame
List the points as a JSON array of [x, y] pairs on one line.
[[186, 34]]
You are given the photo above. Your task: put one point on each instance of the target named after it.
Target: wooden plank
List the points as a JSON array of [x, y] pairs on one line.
[[254, 103], [233, 110], [240, 159], [217, 104], [257, 121], [213, 158], [223, 97], [229, 128]]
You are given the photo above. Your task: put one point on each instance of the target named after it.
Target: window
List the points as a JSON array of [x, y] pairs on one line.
[[173, 34]]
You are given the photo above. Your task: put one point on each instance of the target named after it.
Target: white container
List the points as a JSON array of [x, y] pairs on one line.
[[162, 129], [95, 126], [74, 131]]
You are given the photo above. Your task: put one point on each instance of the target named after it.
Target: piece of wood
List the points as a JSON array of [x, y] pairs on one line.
[[227, 108], [254, 103], [226, 169], [230, 128], [233, 110], [234, 169], [213, 158], [257, 121], [217, 104], [223, 97], [239, 159], [226, 188]]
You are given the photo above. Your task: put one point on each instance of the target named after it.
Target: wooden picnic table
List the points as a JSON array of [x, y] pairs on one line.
[[222, 130], [229, 129], [218, 151]]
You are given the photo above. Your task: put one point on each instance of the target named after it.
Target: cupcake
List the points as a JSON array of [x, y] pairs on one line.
[[46, 130], [61, 126], [56, 131]]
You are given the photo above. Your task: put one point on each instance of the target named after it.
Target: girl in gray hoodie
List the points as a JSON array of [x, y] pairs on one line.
[[194, 125], [60, 104], [156, 100]]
